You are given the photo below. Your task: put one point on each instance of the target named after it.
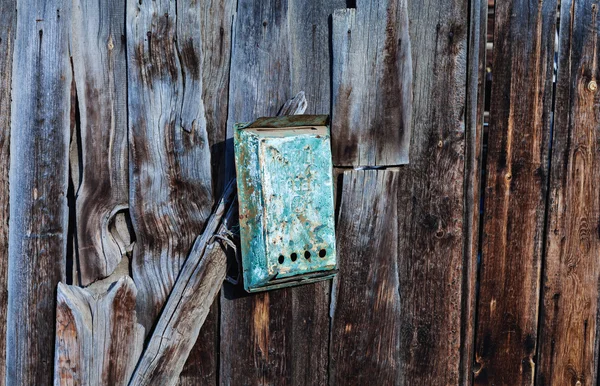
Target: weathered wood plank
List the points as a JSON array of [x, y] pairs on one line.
[[365, 310], [38, 186], [216, 18], [279, 337], [475, 103], [199, 282], [372, 84], [170, 181], [431, 197], [98, 55], [569, 338], [515, 192], [8, 21], [98, 339]]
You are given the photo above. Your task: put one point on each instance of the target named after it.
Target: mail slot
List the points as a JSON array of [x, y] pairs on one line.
[[285, 194]]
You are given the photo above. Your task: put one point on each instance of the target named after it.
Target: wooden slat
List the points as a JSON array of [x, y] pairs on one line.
[[40, 127], [8, 21], [569, 339], [170, 181], [475, 103], [279, 337], [431, 197], [197, 285], [515, 192], [98, 55], [365, 328], [372, 84], [216, 18], [98, 339]]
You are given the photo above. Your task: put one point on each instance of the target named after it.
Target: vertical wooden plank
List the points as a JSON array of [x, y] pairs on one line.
[[475, 104], [431, 197], [8, 21], [365, 328], [38, 186], [515, 195], [170, 182], [372, 84], [98, 55], [279, 337], [569, 339], [216, 18]]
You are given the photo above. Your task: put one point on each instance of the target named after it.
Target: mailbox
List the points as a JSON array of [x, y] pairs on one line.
[[285, 194]]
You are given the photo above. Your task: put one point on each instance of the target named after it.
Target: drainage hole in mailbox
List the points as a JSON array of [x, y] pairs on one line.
[[307, 255]]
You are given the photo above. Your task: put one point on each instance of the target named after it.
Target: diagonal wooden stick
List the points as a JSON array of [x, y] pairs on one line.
[[197, 285]]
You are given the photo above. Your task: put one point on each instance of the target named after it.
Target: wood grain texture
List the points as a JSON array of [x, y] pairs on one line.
[[199, 282], [170, 172], [41, 83], [8, 21], [216, 19], [431, 197], [98, 55], [279, 337], [474, 112], [366, 290], [98, 339], [515, 192], [372, 84], [569, 338]]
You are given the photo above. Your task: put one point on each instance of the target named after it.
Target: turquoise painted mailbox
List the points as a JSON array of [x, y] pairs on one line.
[[285, 192]]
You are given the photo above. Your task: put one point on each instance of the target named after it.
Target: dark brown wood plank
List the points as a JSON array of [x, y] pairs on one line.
[[170, 172], [515, 192], [8, 21], [365, 328], [98, 55], [372, 84], [475, 103], [40, 128], [98, 339], [279, 337], [569, 338], [216, 18], [431, 197]]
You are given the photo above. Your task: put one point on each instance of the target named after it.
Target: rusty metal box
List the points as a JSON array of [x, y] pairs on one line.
[[285, 191]]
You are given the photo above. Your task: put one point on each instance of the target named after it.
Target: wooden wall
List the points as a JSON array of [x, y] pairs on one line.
[[468, 253]]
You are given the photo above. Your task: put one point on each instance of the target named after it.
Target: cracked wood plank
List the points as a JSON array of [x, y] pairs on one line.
[[170, 173], [515, 192], [372, 84], [98, 339], [216, 18], [431, 197], [365, 345], [198, 284], [569, 338], [98, 56], [279, 48], [40, 128], [8, 21]]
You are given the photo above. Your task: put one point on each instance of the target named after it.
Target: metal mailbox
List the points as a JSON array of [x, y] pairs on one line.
[[285, 192]]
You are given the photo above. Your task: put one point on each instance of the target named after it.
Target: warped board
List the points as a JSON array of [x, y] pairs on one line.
[[568, 341], [99, 68], [216, 19], [278, 337], [431, 198], [515, 192], [372, 84], [40, 129], [8, 21], [170, 192], [365, 311]]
